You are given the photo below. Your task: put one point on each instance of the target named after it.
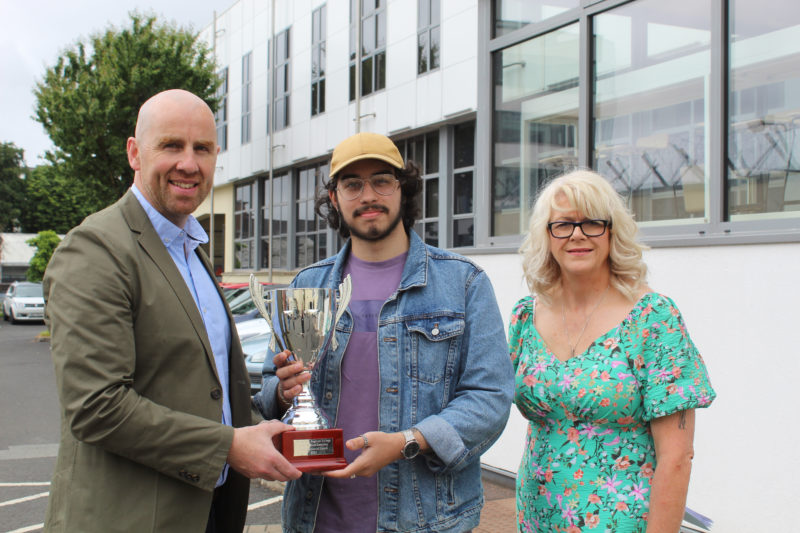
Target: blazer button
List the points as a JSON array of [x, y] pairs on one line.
[[216, 394]]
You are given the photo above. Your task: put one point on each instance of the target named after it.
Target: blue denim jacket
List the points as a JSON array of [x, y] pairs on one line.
[[444, 369]]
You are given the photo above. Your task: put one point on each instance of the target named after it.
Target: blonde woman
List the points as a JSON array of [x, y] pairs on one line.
[[606, 372]]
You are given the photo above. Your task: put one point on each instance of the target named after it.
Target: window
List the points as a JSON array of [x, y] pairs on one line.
[[763, 170], [279, 218], [221, 116], [311, 237], [463, 184], [247, 104], [428, 36], [650, 123], [318, 61], [535, 122], [424, 151], [281, 81], [510, 15], [373, 46], [244, 226]]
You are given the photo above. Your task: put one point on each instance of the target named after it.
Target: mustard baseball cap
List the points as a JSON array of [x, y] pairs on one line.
[[365, 146]]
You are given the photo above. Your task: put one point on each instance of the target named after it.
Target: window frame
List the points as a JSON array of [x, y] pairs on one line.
[[247, 98], [318, 51], [376, 57], [281, 96], [715, 229]]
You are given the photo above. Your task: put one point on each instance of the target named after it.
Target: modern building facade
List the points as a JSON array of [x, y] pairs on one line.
[[690, 108]]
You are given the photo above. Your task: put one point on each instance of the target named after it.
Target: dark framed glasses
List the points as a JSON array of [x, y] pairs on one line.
[[563, 229], [351, 187]]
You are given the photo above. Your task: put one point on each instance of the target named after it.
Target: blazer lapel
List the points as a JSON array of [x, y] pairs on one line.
[[151, 243]]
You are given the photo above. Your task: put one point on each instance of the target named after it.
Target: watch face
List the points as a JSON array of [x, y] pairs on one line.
[[411, 450]]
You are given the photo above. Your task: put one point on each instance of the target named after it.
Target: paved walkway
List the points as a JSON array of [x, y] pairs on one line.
[[497, 515]]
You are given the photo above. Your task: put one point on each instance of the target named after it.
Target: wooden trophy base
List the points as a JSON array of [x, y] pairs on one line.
[[317, 450]]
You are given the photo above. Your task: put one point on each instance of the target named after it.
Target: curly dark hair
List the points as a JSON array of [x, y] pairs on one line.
[[410, 188]]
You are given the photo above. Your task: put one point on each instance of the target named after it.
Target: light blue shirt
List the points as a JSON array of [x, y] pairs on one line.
[[181, 244]]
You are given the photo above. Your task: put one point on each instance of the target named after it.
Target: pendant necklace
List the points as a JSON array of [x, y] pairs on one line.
[[564, 320]]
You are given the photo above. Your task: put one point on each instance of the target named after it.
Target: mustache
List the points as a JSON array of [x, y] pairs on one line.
[[362, 210]]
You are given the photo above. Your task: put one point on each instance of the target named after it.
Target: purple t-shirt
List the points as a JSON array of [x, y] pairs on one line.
[[351, 505]]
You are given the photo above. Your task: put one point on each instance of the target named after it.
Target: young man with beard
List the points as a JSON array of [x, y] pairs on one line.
[[420, 380]]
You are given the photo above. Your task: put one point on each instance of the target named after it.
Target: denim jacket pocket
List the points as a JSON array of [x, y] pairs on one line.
[[435, 341]]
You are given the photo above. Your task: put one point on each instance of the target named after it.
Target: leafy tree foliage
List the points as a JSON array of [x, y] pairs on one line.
[[88, 101], [45, 243], [12, 186], [55, 200]]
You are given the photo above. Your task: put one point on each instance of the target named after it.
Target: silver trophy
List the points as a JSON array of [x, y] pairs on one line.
[[303, 322]]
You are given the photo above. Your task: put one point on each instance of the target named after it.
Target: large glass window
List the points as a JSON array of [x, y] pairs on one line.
[[318, 61], [424, 151], [279, 218], [763, 170], [535, 122], [221, 116], [428, 35], [247, 95], [282, 81], [463, 184], [650, 126], [373, 46], [510, 15], [244, 226], [311, 243]]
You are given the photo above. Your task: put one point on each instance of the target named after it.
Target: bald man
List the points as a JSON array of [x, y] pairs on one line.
[[157, 429]]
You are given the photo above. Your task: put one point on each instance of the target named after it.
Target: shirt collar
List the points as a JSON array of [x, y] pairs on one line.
[[193, 233]]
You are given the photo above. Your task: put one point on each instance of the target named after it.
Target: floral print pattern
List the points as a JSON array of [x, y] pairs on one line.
[[589, 457]]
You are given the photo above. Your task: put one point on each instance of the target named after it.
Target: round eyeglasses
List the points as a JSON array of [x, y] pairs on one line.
[[563, 229], [351, 187]]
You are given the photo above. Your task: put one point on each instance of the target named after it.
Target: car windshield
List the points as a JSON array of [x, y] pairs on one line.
[[29, 291]]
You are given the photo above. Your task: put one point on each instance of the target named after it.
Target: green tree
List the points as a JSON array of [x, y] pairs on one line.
[[55, 200], [89, 100], [12, 185], [45, 243]]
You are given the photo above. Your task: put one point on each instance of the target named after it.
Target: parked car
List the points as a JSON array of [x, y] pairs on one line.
[[251, 328], [24, 301], [255, 352]]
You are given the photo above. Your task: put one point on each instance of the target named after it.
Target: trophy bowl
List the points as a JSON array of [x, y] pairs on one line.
[[303, 321]]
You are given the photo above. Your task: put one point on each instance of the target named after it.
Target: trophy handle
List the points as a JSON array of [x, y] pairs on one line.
[[257, 294], [345, 291]]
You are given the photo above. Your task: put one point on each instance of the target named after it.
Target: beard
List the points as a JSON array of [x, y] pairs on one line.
[[373, 233]]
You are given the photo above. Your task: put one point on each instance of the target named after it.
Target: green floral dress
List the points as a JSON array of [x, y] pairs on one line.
[[589, 456]]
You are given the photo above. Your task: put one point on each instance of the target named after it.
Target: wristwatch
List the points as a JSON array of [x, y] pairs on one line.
[[411, 448]]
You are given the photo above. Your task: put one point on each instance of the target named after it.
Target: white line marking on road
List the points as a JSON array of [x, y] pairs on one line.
[[27, 484], [36, 527], [264, 503], [25, 499]]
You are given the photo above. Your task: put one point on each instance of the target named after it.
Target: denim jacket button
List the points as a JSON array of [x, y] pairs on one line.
[[329, 395], [435, 331]]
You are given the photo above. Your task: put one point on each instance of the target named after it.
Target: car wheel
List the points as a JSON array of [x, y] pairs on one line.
[[12, 317]]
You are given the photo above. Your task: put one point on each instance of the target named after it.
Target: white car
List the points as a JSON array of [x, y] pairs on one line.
[[252, 327], [24, 301]]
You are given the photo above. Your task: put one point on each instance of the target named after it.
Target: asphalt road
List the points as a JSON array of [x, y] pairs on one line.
[[29, 429]]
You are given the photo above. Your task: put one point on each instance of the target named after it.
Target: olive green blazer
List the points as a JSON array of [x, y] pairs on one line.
[[141, 444]]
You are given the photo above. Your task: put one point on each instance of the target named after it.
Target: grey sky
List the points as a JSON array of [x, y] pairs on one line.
[[33, 33]]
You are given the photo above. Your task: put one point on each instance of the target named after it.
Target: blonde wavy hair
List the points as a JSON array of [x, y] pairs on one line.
[[588, 193]]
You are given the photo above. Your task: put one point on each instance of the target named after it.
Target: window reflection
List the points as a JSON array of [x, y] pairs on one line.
[[510, 15], [763, 172], [535, 122], [651, 75]]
